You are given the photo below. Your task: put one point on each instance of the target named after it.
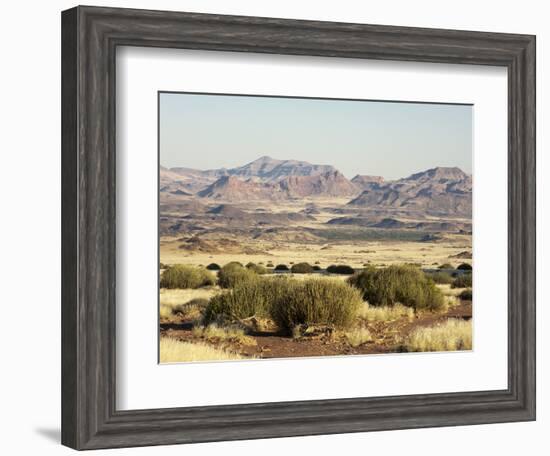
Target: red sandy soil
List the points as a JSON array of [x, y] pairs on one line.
[[270, 344]]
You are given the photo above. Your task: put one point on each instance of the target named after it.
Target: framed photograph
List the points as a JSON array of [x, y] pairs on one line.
[[301, 227]]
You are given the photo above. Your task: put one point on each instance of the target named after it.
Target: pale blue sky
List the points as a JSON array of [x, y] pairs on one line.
[[357, 137]]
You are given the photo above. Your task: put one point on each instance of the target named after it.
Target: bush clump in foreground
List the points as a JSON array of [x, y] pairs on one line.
[[464, 267], [407, 285], [182, 276], [316, 302], [213, 267], [233, 274], [466, 295], [289, 303], [301, 268], [247, 299], [281, 267], [462, 281], [340, 269]]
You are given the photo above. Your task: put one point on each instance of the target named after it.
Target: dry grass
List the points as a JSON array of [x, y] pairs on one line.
[[175, 351], [448, 291], [385, 313], [449, 336], [358, 336], [171, 301], [215, 333]]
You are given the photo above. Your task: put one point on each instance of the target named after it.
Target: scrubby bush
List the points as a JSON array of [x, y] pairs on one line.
[[182, 276], [269, 265], [462, 281], [466, 295], [233, 274], [445, 266], [163, 266], [281, 267], [340, 269], [440, 277], [301, 268], [407, 285], [312, 301], [247, 299], [316, 267], [317, 262], [464, 267], [256, 268], [213, 267]]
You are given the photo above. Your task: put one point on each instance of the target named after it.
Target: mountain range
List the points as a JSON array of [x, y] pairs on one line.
[[441, 190]]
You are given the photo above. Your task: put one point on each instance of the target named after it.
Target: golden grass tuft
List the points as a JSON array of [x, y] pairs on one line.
[[175, 351], [232, 333], [452, 335], [358, 336], [385, 313]]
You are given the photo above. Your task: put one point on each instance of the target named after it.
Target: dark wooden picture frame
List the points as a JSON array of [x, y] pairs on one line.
[[90, 36]]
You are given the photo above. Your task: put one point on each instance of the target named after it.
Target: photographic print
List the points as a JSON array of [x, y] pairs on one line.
[[298, 227]]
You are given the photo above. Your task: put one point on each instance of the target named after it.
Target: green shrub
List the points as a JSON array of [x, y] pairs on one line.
[[182, 276], [466, 294], [233, 274], [464, 267], [340, 269], [234, 263], [407, 285], [301, 268], [256, 268], [213, 267], [316, 267], [440, 277], [316, 302], [445, 266], [281, 267], [462, 281], [246, 299]]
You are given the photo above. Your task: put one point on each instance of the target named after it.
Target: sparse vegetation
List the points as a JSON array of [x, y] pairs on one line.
[[182, 276], [281, 267], [213, 267], [358, 336], [449, 336], [316, 267], [464, 267], [466, 294], [340, 269], [445, 266], [233, 274], [440, 277], [462, 281], [301, 268], [407, 285], [229, 333], [386, 313], [257, 268]]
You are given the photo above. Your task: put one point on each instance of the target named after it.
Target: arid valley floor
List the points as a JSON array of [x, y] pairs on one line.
[[284, 212]]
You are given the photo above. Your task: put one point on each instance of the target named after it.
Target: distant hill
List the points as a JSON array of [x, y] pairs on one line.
[[268, 169], [438, 190], [362, 181]]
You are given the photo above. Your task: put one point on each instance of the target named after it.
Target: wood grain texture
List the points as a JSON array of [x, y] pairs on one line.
[[89, 39]]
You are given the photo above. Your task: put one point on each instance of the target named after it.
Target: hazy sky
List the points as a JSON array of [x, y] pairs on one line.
[[357, 137]]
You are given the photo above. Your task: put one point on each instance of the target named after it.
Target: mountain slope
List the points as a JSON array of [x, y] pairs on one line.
[[438, 190]]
